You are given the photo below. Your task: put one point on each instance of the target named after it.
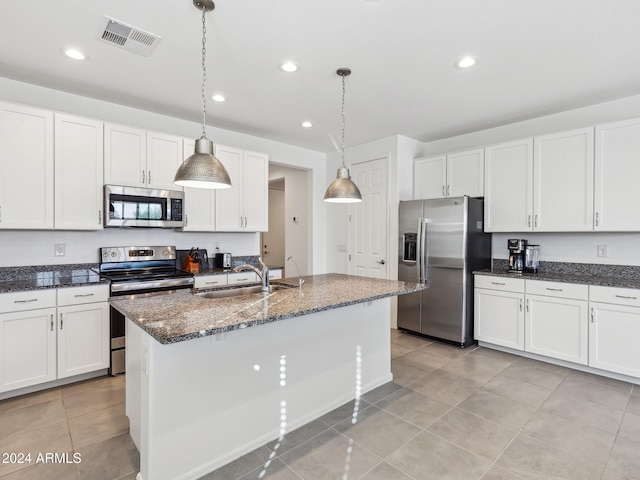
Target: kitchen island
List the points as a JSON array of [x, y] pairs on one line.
[[209, 380]]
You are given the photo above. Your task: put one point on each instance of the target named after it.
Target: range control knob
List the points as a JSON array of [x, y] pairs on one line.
[[114, 254]]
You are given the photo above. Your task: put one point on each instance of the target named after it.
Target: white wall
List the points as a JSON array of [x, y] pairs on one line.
[[298, 241], [566, 247], [83, 246]]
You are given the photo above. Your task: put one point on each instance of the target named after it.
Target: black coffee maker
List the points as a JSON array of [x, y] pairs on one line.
[[516, 248]]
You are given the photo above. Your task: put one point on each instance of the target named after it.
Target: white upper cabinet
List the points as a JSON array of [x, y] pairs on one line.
[[125, 156], [508, 182], [452, 175], [563, 182], [199, 203], [430, 177], [465, 173], [543, 184], [78, 173], [26, 167], [138, 158], [617, 169], [244, 206]]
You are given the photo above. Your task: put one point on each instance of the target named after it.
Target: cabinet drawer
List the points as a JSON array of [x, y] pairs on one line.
[[504, 284], [86, 294], [242, 277], [210, 281], [27, 300], [275, 274], [620, 296], [558, 289]]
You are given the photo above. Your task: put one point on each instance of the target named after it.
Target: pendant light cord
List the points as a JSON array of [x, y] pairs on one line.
[[204, 74], [343, 122]]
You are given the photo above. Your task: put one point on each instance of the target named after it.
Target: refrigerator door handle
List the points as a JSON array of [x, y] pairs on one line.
[[419, 250], [424, 245]]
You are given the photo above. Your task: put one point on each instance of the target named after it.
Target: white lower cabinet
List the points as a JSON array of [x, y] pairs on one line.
[[45, 344], [27, 348], [499, 311], [614, 330]]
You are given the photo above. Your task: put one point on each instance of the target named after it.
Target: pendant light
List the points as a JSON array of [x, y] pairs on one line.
[[342, 189], [203, 169]]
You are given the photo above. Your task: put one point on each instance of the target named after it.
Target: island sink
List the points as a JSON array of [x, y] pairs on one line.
[[233, 292]]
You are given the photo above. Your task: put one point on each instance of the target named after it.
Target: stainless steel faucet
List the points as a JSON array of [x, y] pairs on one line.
[[300, 279], [262, 273]]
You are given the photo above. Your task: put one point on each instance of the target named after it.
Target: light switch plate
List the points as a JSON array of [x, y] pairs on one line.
[[60, 249], [603, 251]]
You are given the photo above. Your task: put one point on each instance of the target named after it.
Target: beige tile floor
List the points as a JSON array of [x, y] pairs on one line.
[[449, 414]]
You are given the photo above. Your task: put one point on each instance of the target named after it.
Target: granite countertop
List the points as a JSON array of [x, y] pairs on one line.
[[14, 279], [183, 316], [613, 277]]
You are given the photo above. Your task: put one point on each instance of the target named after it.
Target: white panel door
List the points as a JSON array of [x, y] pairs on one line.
[[164, 156], [557, 328], [27, 348], [508, 187], [26, 167], [617, 169], [614, 331], [465, 173], [83, 338], [199, 203], [369, 222], [563, 182], [499, 318], [256, 191], [429, 177], [78, 173], [229, 209], [125, 156]]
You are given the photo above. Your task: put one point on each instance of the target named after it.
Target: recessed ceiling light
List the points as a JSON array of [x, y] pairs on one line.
[[289, 67], [466, 62], [218, 98], [74, 53], [307, 124]]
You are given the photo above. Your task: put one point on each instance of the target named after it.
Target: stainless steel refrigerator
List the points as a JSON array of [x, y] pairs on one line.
[[441, 242]]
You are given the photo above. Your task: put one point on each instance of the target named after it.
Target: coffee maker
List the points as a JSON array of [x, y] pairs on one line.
[[516, 248], [531, 258]]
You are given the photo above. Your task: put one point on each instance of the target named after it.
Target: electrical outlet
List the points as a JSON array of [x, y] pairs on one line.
[[603, 251], [216, 246], [59, 249]]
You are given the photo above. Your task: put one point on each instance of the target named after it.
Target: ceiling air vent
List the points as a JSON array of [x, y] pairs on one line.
[[130, 38]]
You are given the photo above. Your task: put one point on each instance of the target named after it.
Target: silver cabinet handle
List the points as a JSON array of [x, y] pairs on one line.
[[443, 194], [592, 321], [212, 283], [528, 220], [448, 190], [99, 217], [149, 177], [61, 322], [527, 305], [186, 219], [554, 289], [144, 178], [26, 301], [52, 322], [84, 295], [244, 279], [520, 304], [498, 283], [535, 221], [597, 220], [626, 297]]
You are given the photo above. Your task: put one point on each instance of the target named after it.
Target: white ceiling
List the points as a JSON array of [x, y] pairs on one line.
[[536, 57]]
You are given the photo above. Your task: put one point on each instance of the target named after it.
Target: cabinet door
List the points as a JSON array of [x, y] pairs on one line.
[[83, 338], [557, 328], [508, 187], [256, 192], [499, 318], [229, 208], [616, 195], [26, 167], [125, 156], [563, 182], [199, 203], [613, 338], [27, 348], [78, 173], [164, 156], [465, 173], [430, 177]]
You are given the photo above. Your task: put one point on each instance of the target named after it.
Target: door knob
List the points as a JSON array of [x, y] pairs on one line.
[[381, 262]]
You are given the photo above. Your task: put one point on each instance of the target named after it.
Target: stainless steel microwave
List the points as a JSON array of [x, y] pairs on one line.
[[142, 207]]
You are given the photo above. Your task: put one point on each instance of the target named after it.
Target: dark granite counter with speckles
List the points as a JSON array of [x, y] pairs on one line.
[[622, 276], [15, 279], [183, 315]]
